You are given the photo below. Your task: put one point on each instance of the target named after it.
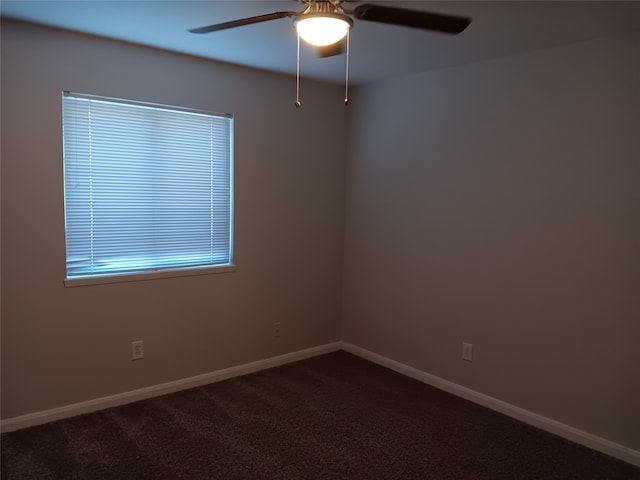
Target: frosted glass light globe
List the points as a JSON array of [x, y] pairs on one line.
[[322, 31]]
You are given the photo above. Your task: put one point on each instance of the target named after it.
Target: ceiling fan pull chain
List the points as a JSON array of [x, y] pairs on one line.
[[298, 104], [346, 80]]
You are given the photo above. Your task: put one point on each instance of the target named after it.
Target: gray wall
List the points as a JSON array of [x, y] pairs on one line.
[[497, 204], [65, 345]]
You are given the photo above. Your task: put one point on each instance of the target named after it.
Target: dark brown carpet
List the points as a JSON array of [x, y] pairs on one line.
[[331, 417]]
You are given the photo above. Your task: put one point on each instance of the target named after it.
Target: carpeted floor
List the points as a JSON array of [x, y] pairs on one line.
[[331, 417]]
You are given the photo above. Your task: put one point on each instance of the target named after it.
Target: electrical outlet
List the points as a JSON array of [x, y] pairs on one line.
[[137, 350], [276, 329], [467, 351]]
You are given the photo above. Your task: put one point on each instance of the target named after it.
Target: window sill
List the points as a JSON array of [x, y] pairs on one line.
[[138, 277]]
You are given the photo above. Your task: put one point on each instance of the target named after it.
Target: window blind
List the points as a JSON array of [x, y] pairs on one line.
[[146, 187]]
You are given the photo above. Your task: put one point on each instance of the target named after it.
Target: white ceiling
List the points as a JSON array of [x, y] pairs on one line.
[[377, 50]]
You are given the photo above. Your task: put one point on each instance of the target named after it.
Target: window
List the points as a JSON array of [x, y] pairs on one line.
[[147, 188]]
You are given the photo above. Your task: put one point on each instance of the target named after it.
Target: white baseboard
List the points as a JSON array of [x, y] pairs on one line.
[[566, 431], [594, 442], [37, 418]]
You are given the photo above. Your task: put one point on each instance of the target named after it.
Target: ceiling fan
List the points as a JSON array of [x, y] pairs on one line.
[[325, 23]]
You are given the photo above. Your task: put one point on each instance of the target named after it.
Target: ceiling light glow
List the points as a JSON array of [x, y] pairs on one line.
[[322, 30]]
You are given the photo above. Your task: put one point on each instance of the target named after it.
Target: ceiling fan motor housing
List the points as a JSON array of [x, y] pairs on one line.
[[324, 9]]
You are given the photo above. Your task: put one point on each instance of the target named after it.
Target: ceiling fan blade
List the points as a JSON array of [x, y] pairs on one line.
[[243, 21], [337, 48], [412, 18]]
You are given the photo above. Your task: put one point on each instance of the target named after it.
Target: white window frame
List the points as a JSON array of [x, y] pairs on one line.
[[158, 250]]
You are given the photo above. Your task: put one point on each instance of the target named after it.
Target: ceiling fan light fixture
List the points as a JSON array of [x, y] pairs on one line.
[[323, 29]]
